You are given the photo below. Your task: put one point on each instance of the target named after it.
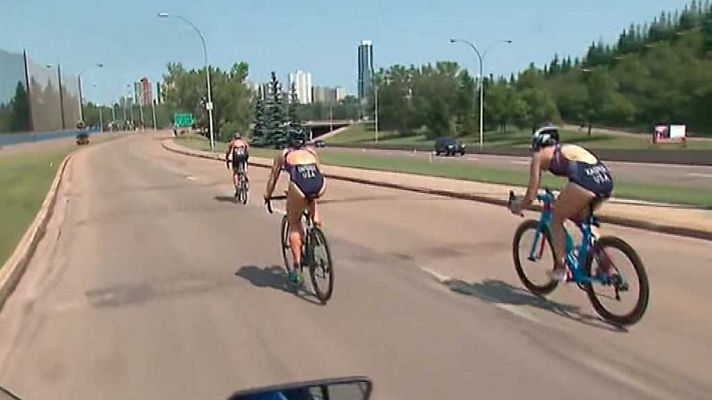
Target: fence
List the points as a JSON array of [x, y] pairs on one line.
[[36, 96]]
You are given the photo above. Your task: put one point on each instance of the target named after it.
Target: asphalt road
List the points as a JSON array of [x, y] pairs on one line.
[[664, 174], [152, 283]]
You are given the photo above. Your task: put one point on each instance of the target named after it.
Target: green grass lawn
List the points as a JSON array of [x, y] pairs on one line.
[[472, 172], [25, 178], [364, 134]]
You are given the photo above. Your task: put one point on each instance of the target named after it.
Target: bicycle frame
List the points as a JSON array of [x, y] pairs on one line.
[[576, 255]]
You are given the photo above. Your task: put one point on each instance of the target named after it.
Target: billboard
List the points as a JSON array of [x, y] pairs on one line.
[[669, 133], [14, 99]]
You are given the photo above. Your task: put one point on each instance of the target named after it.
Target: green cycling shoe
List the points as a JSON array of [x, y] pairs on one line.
[[296, 277]]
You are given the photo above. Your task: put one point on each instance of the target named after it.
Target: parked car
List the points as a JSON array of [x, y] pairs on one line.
[[449, 146]]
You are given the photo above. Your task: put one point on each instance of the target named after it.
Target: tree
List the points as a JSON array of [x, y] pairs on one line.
[[276, 116], [259, 125], [19, 120], [293, 109]]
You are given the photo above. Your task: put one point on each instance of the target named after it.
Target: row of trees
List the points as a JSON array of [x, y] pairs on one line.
[[185, 92], [441, 99], [658, 73]]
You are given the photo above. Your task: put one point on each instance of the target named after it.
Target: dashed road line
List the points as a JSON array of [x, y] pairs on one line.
[[511, 308]]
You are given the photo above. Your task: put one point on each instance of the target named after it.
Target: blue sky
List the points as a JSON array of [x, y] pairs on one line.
[[318, 36]]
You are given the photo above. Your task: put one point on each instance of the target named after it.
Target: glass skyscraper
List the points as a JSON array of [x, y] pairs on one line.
[[365, 68]]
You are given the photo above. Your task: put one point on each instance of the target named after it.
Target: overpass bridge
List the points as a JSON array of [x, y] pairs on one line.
[[319, 128]]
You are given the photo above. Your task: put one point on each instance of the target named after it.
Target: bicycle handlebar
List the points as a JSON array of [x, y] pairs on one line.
[[268, 202]]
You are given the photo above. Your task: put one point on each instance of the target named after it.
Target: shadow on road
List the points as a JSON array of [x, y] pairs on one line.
[[275, 278], [139, 293], [500, 292], [226, 199]]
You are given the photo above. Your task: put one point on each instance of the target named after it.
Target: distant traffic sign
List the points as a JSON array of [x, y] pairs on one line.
[[183, 120]]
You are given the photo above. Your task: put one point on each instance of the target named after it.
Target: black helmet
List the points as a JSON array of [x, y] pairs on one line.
[[296, 138], [237, 135], [545, 136]]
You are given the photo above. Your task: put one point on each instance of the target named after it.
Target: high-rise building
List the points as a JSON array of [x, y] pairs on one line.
[[365, 69], [159, 92], [143, 92], [340, 93], [323, 94], [302, 85]]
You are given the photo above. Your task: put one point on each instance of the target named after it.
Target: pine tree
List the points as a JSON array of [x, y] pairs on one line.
[[259, 137], [294, 121], [277, 120], [554, 67]]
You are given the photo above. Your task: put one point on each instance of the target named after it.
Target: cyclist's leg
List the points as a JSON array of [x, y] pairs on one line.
[[314, 208], [296, 203], [572, 200], [235, 177]]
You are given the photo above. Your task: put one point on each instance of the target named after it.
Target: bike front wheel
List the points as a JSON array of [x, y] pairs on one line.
[[321, 267], [533, 254], [617, 274], [284, 242]]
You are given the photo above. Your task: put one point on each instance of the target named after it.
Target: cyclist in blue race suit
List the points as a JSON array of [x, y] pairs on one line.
[[306, 184], [589, 183]]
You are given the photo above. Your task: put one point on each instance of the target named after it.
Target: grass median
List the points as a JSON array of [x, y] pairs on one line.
[[444, 168], [25, 178], [364, 134]]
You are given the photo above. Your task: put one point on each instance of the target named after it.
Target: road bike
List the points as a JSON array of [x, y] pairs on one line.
[[316, 255], [242, 188], [596, 265]]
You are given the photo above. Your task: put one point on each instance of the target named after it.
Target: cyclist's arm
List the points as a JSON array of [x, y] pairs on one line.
[[534, 180], [274, 175], [227, 153]]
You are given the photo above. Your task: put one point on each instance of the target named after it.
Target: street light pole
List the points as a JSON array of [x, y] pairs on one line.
[[209, 105], [81, 97], [480, 58]]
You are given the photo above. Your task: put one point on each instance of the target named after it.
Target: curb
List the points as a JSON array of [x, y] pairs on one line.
[[615, 220], [15, 266]]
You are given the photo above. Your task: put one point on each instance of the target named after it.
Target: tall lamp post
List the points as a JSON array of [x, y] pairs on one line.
[[209, 104], [81, 98], [101, 115], [480, 58]]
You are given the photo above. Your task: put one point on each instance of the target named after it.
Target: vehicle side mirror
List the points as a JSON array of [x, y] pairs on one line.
[[357, 388]]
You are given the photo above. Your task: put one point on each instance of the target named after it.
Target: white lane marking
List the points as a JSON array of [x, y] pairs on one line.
[[700, 175], [623, 377], [511, 308], [190, 178], [519, 162], [438, 276]]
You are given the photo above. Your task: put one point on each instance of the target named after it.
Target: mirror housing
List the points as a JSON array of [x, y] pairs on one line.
[[351, 388]]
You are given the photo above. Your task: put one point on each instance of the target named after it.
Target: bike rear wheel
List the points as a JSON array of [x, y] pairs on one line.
[[244, 191], [321, 268], [543, 260], [616, 255]]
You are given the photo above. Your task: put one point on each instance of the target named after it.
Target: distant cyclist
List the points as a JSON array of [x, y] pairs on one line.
[[238, 152], [305, 184], [589, 182]]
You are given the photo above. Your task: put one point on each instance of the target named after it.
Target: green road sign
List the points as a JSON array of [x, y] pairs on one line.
[[183, 120]]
